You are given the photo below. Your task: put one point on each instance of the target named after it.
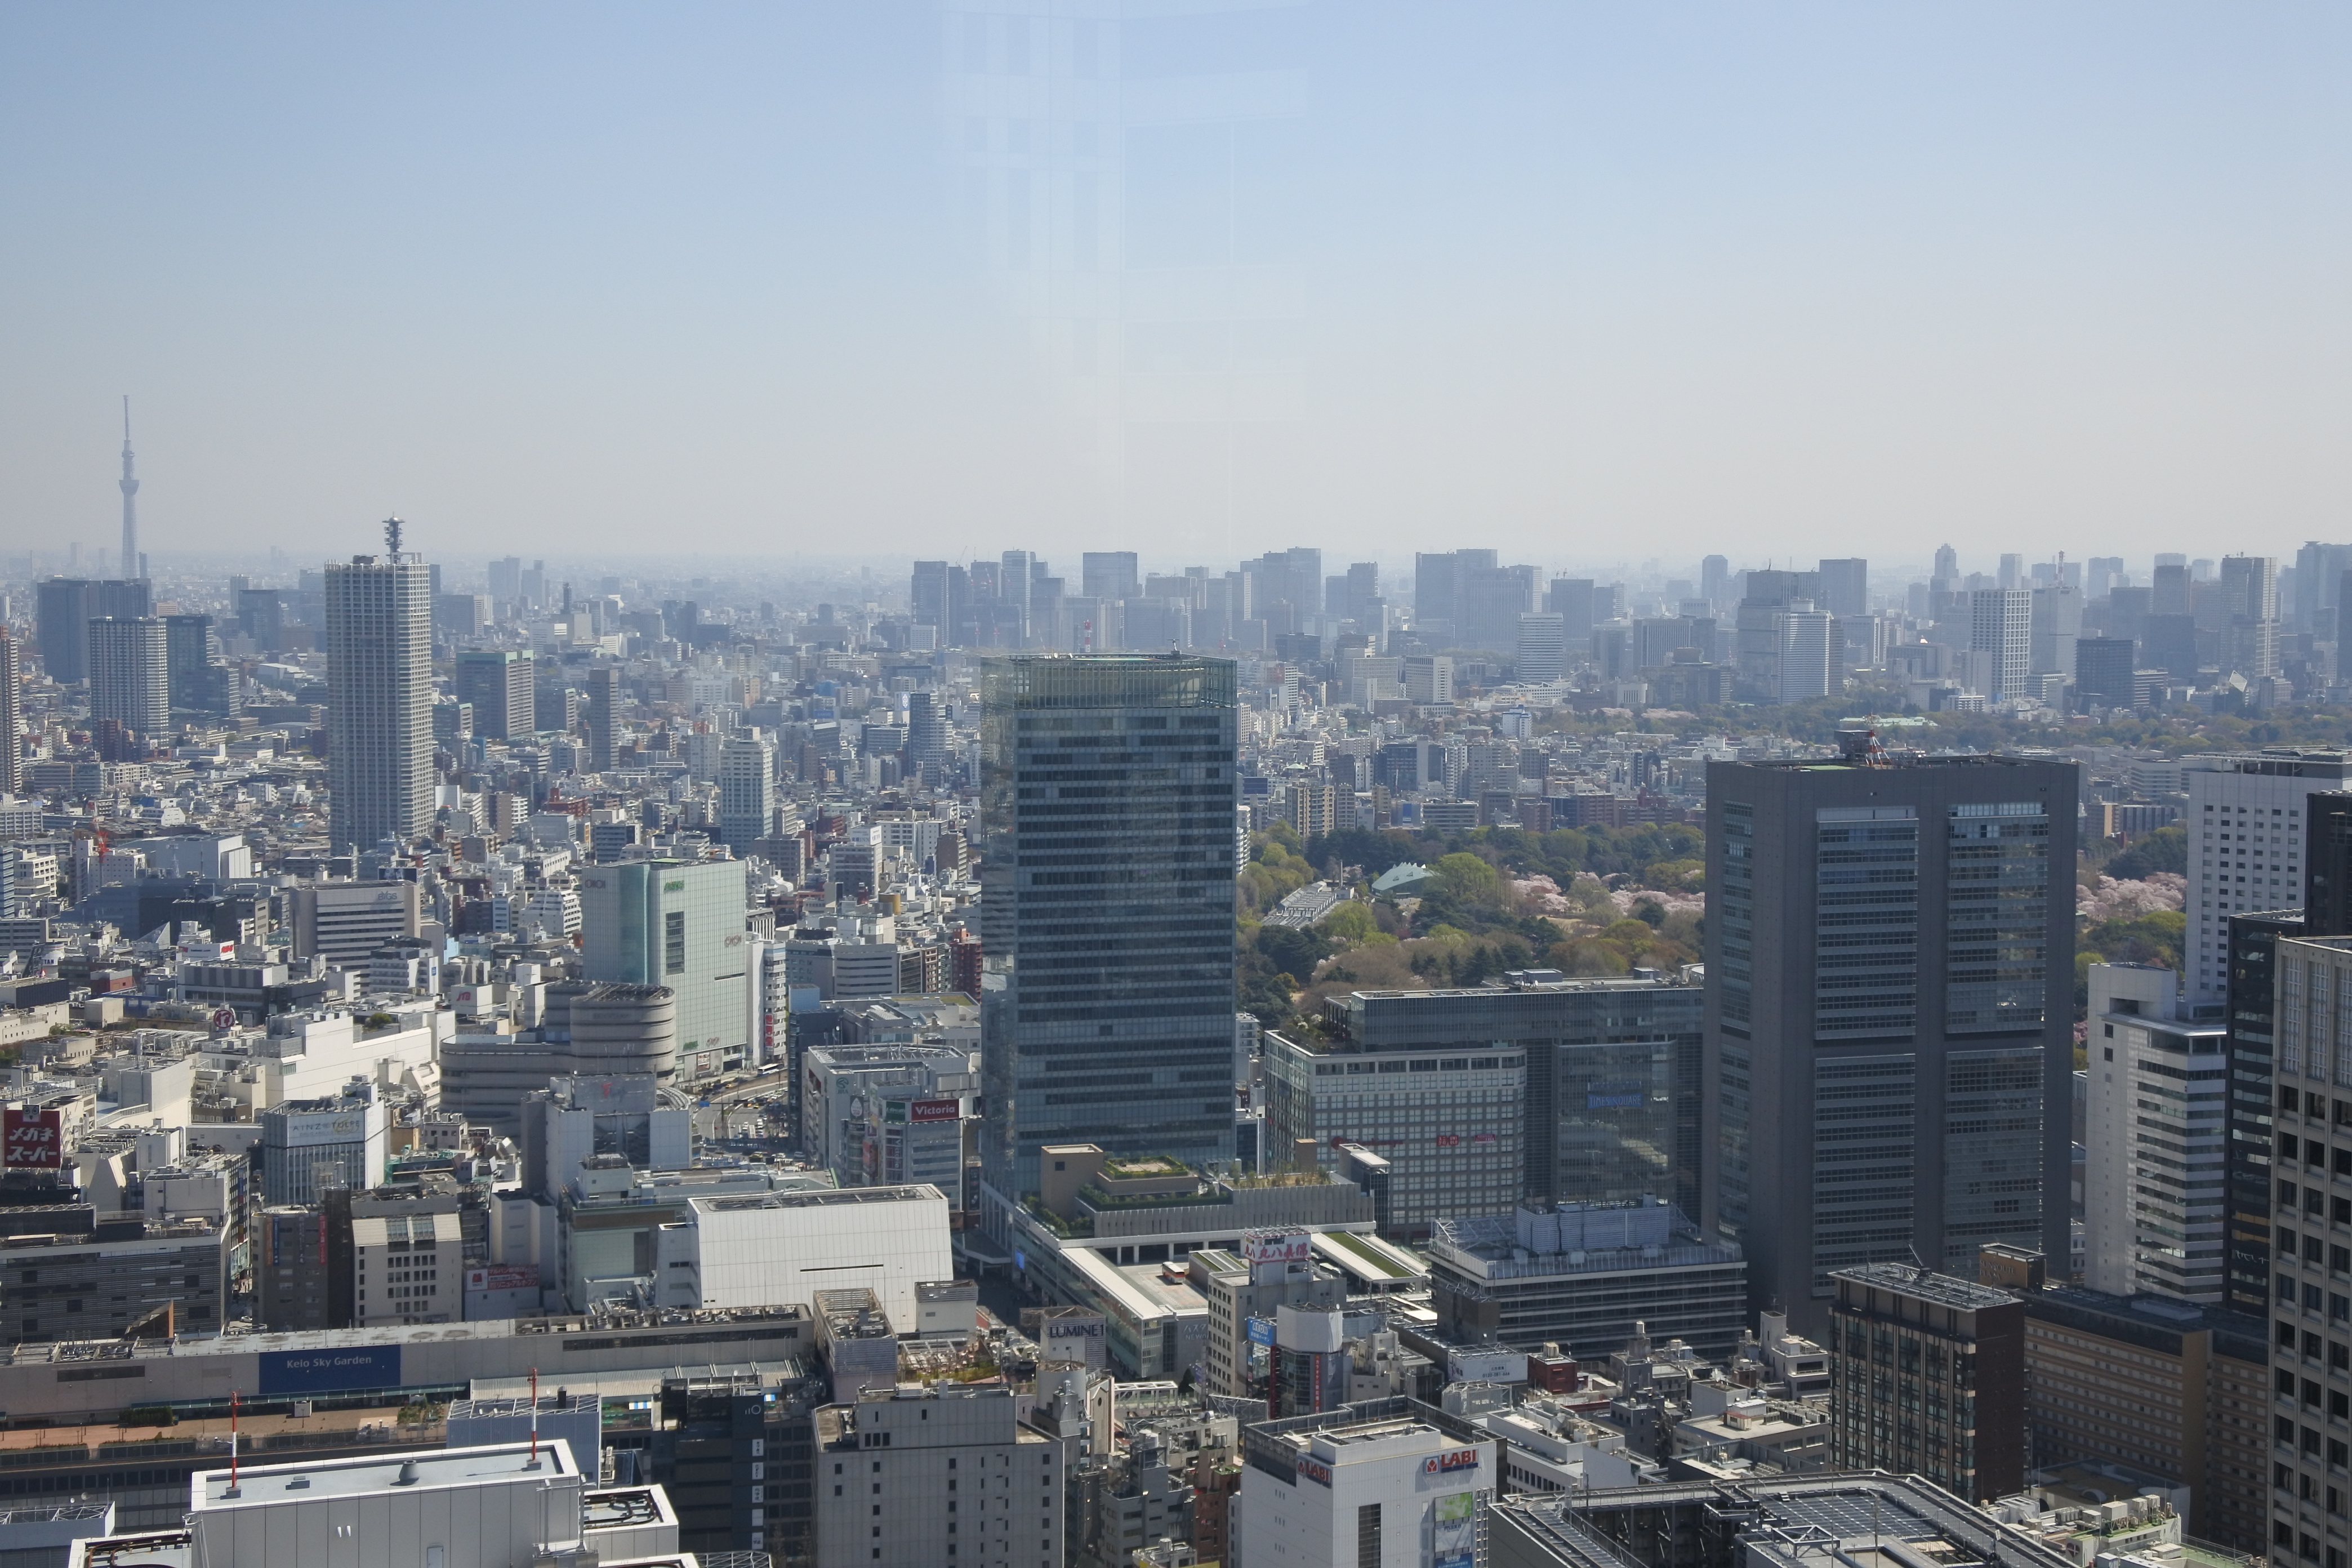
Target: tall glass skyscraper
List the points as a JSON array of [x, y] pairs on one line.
[[1889, 1015], [379, 698], [1107, 990]]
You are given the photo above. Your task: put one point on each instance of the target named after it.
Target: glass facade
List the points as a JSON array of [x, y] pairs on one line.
[[1733, 967], [1996, 928], [1866, 932], [1107, 989], [681, 924], [1611, 1107], [1992, 1151], [1865, 1167]]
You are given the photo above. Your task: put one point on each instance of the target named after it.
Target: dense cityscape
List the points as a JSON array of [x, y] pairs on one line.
[[1303, 1062], [1176, 783]]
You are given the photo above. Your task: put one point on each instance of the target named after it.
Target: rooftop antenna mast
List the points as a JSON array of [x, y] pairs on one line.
[[391, 526], [129, 485]]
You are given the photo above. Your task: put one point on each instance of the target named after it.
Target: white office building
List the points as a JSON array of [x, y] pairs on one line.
[[888, 1115], [766, 1250], [747, 790], [2155, 1130], [2245, 824], [1543, 649], [485, 1507], [1389, 1492]]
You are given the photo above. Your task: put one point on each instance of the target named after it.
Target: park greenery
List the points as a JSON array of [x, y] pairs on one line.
[[1587, 901], [1495, 900]]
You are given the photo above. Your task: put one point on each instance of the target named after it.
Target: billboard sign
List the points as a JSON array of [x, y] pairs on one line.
[[1276, 1246], [310, 1130], [1077, 1336], [1311, 1469], [1449, 1461], [1261, 1330], [1454, 1535], [1483, 1364], [935, 1111], [325, 1370], [35, 1139]]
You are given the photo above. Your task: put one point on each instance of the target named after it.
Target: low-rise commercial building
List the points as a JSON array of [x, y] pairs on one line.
[[1583, 1276], [878, 1115], [1899, 1521], [2174, 1391], [119, 1275], [764, 1248], [310, 1147], [457, 1508], [407, 1268]]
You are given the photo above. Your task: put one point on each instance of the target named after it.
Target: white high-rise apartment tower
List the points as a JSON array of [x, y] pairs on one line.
[[2246, 825], [746, 790], [2156, 1135], [380, 695], [2001, 623]]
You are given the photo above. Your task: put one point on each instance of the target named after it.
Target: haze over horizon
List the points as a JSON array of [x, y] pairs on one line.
[[1198, 280]]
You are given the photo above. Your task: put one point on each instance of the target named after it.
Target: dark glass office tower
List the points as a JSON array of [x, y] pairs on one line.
[[66, 607], [1106, 991], [2254, 1042], [1889, 1014]]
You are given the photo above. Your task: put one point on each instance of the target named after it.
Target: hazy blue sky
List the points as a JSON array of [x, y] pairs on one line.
[[1581, 282]]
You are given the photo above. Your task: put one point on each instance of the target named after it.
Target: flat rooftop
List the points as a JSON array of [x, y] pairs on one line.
[[419, 1469], [823, 1197], [1910, 1279]]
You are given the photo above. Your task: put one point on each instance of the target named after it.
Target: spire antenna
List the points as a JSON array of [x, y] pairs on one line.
[[392, 535], [129, 485]]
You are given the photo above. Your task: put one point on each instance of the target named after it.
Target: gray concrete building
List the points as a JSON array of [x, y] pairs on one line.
[[916, 1476], [1584, 1276], [499, 682], [123, 1274], [1888, 1015]]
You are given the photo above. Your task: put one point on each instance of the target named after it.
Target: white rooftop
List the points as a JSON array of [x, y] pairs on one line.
[[420, 1470]]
